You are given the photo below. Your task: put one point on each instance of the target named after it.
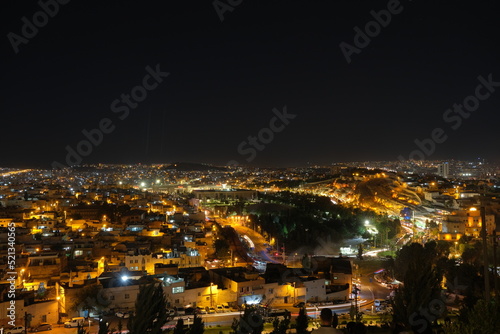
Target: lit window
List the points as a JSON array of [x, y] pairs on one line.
[[178, 289]]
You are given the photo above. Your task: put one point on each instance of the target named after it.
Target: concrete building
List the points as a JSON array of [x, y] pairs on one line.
[[443, 170], [465, 222], [44, 266], [247, 287]]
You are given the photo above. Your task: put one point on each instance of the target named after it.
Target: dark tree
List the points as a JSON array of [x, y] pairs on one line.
[[302, 321], [103, 326], [281, 326], [251, 322], [179, 327], [360, 252], [421, 288], [482, 318], [80, 329], [150, 310], [120, 326], [221, 248], [198, 327], [90, 298]]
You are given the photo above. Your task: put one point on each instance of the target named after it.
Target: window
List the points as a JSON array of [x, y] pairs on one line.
[[136, 261], [127, 296], [178, 289], [131, 261], [176, 301], [207, 299], [199, 294], [271, 291], [111, 297]]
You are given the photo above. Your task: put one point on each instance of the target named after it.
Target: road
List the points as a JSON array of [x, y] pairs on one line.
[[259, 242], [370, 288]]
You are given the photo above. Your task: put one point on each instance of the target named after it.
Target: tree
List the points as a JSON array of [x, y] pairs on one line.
[[179, 327], [90, 298], [482, 318], [221, 248], [419, 295], [302, 321], [120, 326], [360, 252], [198, 327], [150, 310], [281, 326], [80, 329], [103, 326], [251, 322]]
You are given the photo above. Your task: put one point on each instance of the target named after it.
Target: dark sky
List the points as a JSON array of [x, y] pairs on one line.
[[227, 76]]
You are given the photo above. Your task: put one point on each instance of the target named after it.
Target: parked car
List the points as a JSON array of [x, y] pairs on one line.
[[220, 309], [180, 311], [226, 307], [189, 310], [43, 327], [299, 304], [124, 315], [210, 310], [74, 322], [15, 330], [201, 310]]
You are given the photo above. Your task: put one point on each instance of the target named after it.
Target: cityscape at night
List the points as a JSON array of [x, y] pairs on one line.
[[237, 167]]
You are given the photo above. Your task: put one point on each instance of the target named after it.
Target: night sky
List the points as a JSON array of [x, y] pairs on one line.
[[226, 77]]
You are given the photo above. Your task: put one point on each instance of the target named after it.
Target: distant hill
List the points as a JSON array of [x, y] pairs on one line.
[[191, 166]]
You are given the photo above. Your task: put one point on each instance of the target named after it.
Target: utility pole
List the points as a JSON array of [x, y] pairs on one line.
[[356, 290], [387, 236], [284, 254], [485, 255], [495, 274]]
